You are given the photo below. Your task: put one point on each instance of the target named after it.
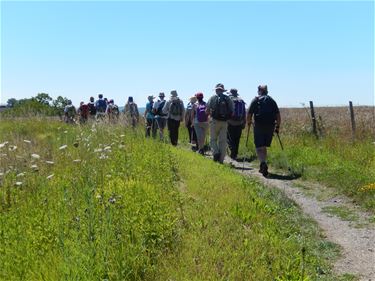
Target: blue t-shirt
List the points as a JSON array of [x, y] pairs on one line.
[[149, 107]]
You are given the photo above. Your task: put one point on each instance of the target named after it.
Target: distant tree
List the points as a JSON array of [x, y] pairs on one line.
[[43, 98], [60, 102], [12, 102]]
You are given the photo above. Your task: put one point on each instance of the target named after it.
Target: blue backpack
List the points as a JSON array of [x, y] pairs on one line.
[[239, 110], [101, 105]]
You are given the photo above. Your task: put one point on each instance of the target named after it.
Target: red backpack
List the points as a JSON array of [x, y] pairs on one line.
[[84, 110]]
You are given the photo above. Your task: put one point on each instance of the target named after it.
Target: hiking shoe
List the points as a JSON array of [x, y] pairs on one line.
[[216, 157], [263, 169]]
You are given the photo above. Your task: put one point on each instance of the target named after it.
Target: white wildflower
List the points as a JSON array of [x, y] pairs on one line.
[[50, 162], [107, 148], [35, 156], [103, 156], [121, 146], [27, 141], [3, 144], [77, 160], [35, 167], [50, 176], [1, 174], [121, 136], [98, 196], [63, 147], [98, 150], [20, 175], [18, 183], [65, 132], [12, 148], [108, 176]]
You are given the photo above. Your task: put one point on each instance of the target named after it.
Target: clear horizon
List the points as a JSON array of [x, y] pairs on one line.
[[319, 51]]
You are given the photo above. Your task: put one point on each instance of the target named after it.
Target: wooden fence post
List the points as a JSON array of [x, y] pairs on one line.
[[313, 119], [352, 118]]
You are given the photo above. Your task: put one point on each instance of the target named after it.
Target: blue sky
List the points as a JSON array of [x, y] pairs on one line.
[[320, 51]]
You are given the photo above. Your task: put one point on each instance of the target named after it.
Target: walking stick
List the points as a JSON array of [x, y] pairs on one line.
[[247, 135], [278, 137]]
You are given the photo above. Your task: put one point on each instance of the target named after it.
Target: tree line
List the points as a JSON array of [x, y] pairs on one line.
[[41, 104]]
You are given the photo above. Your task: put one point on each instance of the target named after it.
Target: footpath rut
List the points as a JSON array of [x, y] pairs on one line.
[[357, 242]]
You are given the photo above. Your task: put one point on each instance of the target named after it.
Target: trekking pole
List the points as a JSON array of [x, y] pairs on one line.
[[247, 135], [281, 144]]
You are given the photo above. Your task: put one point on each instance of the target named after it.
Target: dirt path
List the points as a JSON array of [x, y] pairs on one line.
[[356, 237]]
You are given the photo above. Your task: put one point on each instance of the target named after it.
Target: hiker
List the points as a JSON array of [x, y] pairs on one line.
[[220, 108], [131, 112], [92, 108], [83, 112], [236, 123], [101, 107], [112, 111], [189, 123], [70, 113], [266, 121], [175, 110], [200, 121], [160, 117], [150, 118]]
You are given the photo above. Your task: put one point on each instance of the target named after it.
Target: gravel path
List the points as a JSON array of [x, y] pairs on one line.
[[357, 241]]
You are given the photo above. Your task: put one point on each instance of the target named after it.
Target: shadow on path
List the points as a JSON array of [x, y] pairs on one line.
[[283, 177]]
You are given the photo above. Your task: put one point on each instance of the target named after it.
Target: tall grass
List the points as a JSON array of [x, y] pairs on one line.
[[104, 203]]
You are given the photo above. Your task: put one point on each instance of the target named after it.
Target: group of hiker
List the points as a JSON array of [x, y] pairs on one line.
[[224, 115], [101, 109]]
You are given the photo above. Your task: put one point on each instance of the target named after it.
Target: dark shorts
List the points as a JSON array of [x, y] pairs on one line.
[[262, 137], [161, 122]]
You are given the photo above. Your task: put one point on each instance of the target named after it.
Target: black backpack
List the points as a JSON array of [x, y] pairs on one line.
[[159, 110], [221, 110], [92, 108], [175, 108], [265, 112]]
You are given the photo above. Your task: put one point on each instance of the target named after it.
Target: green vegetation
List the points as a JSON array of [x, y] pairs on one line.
[[103, 203], [40, 105], [341, 212], [333, 159]]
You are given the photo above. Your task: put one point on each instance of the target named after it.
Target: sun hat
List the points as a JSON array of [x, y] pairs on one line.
[[174, 93], [161, 94], [220, 87], [150, 98], [233, 91]]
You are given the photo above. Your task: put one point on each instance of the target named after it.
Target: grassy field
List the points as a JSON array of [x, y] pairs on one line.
[[333, 158], [104, 203]]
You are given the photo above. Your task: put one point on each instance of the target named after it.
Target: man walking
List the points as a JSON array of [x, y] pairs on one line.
[[150, 118], [160, 117], [266, 121], [131, 112], [175, 110], [220, 108], [236, 123]]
